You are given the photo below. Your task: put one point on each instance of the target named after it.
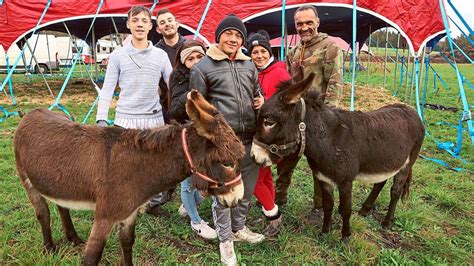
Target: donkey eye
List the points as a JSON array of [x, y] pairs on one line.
[[229, 165], [268, 123]]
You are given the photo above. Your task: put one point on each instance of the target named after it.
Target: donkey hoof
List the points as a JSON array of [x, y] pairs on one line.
[[364, 212], [387, 224], [51, 248], [345, 239], [76, 241]]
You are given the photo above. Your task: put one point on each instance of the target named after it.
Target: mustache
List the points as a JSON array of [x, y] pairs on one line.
[[305, 31]]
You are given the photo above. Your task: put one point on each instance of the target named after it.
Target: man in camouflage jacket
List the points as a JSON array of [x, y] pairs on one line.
[[315, 53]]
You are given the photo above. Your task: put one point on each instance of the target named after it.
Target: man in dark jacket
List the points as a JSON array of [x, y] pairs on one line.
[[166, 25], [229, 80]]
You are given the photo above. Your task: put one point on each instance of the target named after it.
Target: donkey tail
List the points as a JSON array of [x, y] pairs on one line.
[[406, 186]]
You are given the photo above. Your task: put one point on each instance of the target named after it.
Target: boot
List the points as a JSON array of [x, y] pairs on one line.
[[274, 225]]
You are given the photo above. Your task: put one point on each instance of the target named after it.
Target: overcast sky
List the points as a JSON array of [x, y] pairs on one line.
[[466, 9]]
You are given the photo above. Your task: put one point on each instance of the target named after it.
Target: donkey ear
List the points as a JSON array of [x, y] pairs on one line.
[[296, 91], [202, 114]]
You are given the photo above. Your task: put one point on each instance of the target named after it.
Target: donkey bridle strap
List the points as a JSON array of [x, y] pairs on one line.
[[215, 183], [282, 150]]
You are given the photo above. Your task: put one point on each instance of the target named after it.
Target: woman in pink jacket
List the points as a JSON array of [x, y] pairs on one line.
[[271, 72]]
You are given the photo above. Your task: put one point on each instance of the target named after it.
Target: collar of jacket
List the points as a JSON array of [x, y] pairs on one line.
[[315, 40], [131, 50], [215, 53]]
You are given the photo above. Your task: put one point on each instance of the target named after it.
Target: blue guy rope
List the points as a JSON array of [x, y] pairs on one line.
[[459, 16], [10, 81], [9, 75], [463, 53], [354, 35], [447, 146], [283, 36], [63, 87], [437, 76], [464, 80], [90, 110], [203, 18], [463, 33], [466, 116], [155, 2]]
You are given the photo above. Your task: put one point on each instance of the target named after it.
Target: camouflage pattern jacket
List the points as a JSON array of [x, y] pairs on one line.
[[322, 56]]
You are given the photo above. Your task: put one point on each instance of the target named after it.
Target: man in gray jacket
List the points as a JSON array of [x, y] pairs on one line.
[[229, 80]]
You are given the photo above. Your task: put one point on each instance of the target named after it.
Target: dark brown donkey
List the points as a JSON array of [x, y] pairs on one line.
[[341, 146], [114, 171]]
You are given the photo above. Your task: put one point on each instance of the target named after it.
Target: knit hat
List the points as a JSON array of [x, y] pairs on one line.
[[231, 22], [260, 38]]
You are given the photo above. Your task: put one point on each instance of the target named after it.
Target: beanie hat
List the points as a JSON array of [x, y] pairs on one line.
[[260, 38], [231, 22]]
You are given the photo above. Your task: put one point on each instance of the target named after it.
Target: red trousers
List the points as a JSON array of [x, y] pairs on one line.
[[264, 190]]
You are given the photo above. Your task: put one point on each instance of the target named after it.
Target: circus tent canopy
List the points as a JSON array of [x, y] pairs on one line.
[[418, 21]]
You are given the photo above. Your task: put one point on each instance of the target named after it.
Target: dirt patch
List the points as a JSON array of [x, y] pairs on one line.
[[80, 90], [393, 240], [367, 98], [450, 230]]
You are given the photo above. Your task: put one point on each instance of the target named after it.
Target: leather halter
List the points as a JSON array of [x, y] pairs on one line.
[[215, 184], [284, 149]]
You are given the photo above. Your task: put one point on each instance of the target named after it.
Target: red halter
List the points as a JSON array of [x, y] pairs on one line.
[[215, 184]]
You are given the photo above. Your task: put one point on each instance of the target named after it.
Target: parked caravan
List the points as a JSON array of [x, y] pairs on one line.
[[45, 50]]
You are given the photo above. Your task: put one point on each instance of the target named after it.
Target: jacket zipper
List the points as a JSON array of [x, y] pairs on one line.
[[239, 94]]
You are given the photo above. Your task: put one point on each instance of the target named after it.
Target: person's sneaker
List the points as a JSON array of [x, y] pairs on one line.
[[204, 230], [182, 211], [227, 253], [248, 236]]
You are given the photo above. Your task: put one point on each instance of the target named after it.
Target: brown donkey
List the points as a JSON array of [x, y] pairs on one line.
[[114, 171], [341, 146]]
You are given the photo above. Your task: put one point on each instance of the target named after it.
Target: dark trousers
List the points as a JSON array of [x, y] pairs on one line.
[[285, 170]]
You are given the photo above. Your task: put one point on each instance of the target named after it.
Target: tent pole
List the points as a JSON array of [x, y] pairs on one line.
[[27, 70], [68, 77], [155, 2], [49, 52], [354, 50], [116, 31], [407, 75], [412, 81], [385, 60], [396, 62], [94, 53], [41, 72], [10, 73], [368, 56], [283, 25], [203, 18], [81, 62], [422, 63]]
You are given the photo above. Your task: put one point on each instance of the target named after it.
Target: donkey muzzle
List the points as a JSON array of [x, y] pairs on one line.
[[260, 155]]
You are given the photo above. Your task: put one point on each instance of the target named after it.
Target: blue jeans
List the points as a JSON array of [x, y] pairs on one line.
[[191, 198]]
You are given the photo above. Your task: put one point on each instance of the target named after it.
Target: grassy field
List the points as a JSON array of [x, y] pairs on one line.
[[434, 226]]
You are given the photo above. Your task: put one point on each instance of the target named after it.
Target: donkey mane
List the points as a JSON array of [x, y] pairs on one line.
[[150, 140]]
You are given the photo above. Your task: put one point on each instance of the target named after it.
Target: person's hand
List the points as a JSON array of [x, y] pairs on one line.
[[258, 102], [188, 96], [102, 123]]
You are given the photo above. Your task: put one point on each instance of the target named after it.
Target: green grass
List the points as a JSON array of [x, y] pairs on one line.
[[434, 226]]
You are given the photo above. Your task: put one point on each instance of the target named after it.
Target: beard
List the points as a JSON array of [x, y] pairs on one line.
[[169, 34], [306, 35]]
